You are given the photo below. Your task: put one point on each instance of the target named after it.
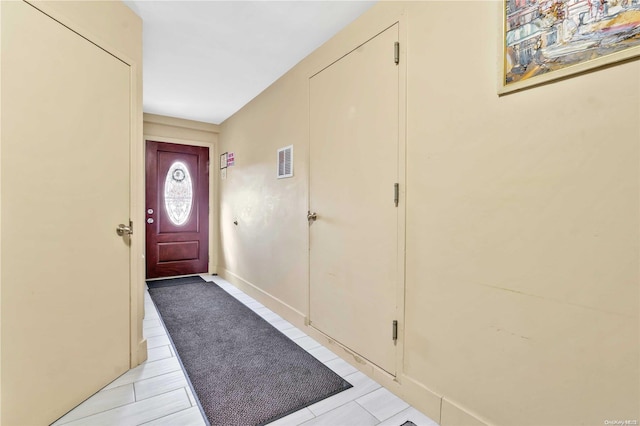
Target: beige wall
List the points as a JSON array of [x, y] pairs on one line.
[[522, 223], [180, 130], [161, 128]]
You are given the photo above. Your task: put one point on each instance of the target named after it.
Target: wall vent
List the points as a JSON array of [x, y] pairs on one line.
[[285, 162]]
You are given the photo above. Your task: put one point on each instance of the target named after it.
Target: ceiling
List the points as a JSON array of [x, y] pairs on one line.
[[204, 60]]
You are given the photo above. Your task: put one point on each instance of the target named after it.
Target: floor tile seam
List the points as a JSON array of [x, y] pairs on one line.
[[192, 402], [157, 338], [146, 399], [166, 415], [160, 347], [93, 413], [270, 314], [271, 319], [299, 424], [157, 335], [284, 329], [325, 362], [308, 349], [155, 377], [160, 335], [373, 414], [159, 359], [312, 418], [343, 404], [337, 407], [166, 392], [139, 379], [151, 362], [153, 347]]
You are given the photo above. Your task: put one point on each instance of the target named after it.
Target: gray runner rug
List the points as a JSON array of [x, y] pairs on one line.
[[243, 370]]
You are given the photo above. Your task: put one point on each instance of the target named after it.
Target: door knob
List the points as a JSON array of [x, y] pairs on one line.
[[312, 216], [123, 229]]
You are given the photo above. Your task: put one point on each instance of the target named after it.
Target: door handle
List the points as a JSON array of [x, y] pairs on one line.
[[123, 229], [312, 216]]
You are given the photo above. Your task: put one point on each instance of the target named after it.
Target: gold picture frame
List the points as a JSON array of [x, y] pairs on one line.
[[547, 40]]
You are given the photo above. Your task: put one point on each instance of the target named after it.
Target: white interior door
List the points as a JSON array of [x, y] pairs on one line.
[[65, 187], [353, 169]]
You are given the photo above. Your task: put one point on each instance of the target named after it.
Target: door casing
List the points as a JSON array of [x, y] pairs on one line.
[[198, 216], [213, 193]]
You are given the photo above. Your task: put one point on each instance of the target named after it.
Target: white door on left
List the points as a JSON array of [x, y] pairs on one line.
[[65, 187]]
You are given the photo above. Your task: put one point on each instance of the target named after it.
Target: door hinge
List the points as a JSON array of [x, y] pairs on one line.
[[396, 193], [207, 167], [396, 52], [394, 332]]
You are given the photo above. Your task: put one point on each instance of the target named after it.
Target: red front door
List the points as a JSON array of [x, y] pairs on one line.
[[177, 210]]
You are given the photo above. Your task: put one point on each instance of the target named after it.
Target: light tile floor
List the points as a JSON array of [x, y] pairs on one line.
[[157, 392]]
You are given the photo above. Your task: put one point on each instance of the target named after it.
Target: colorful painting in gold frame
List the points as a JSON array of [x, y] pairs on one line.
[[545, 40]]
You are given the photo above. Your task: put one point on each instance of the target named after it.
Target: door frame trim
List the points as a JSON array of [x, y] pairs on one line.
[[212, 265]]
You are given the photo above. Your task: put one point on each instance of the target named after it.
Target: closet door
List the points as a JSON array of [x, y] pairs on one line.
[[65, 188], [353, 170]]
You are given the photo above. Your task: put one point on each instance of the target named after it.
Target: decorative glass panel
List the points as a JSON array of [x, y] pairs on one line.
[[178, 193]]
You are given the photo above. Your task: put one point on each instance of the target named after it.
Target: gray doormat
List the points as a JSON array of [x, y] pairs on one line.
[[243, 370]]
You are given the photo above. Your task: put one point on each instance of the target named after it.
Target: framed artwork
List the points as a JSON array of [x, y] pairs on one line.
[[223, 161], [545, 40]]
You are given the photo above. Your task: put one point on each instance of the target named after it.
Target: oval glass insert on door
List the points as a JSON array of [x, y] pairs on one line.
[[178, 193]]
